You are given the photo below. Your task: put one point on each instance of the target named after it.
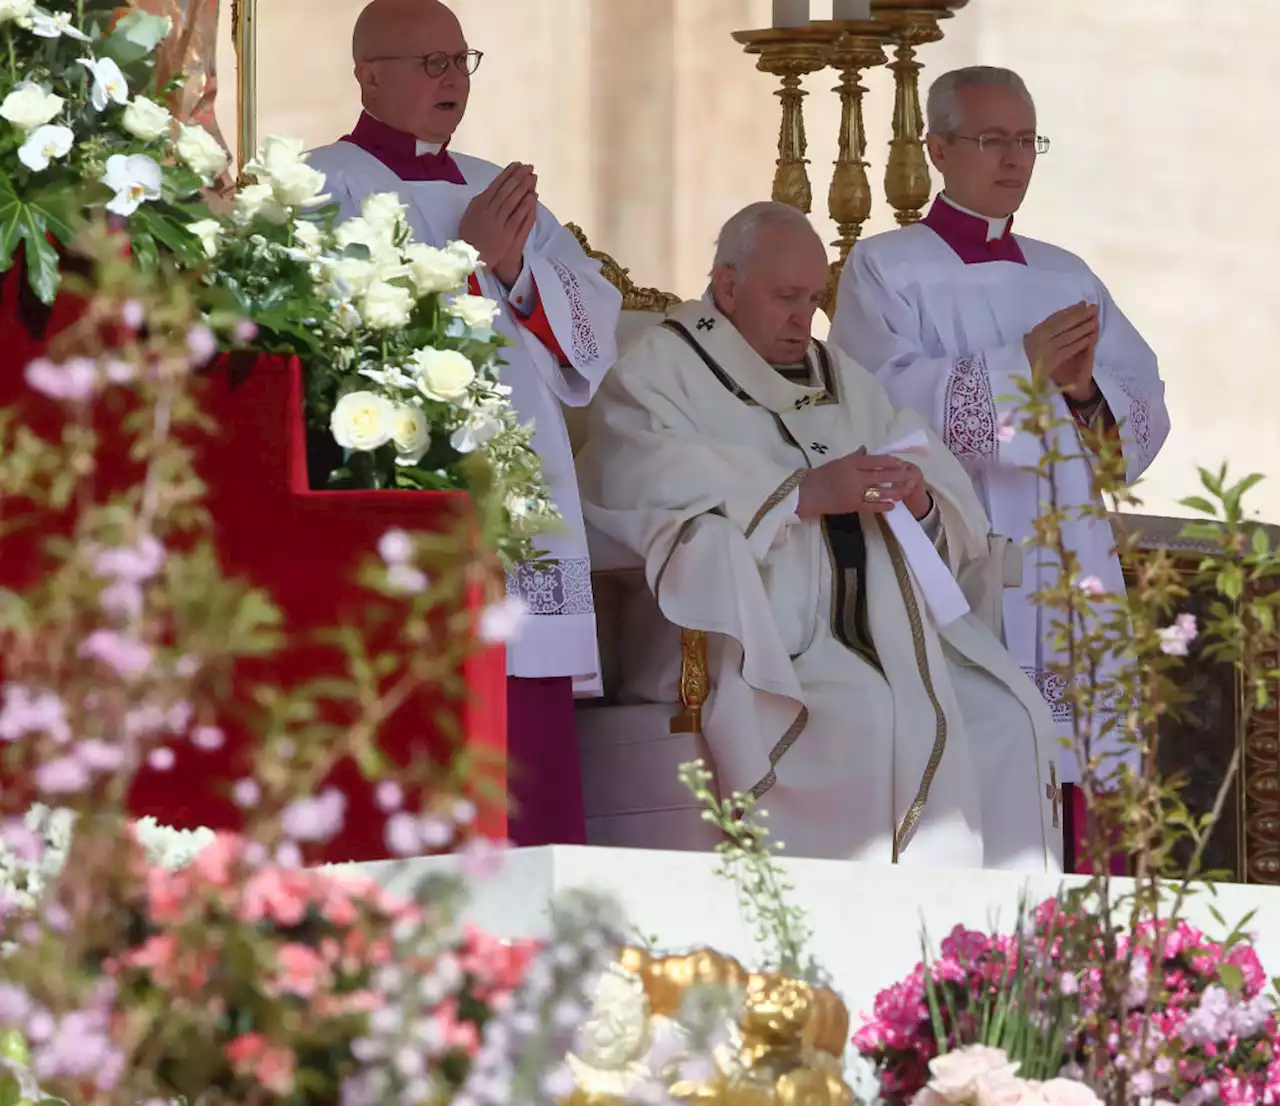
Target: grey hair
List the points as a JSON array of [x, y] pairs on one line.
[[944, 94], [737, 240]]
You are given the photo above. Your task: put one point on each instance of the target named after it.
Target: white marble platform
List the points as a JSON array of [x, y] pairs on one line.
[[866, 919]]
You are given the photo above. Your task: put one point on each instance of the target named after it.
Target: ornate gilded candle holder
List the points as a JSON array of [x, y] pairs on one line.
[[855, 46], [789, 53], [909, 24]]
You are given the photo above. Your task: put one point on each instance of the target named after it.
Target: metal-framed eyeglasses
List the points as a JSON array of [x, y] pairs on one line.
[[437, 63], [1002, 144]]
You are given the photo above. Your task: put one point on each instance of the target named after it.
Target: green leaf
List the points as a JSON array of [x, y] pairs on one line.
[[30, 220], [165, 229], [1198, 503], [1232, 978]]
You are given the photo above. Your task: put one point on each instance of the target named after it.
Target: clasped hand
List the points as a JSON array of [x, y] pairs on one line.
[[498, 220], [840, 487], [1063, 347]]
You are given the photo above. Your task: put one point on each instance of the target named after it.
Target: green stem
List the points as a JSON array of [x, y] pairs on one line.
[[13, 61]]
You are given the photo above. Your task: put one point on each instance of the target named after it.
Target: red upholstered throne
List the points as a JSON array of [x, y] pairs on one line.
[[303, 546]]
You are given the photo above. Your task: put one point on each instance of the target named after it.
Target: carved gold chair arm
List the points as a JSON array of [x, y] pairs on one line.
[[695, 682]]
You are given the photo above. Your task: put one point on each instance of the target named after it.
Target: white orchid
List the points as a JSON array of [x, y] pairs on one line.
[[134, 180], [44, 144], [29, 107], [201, 152], [477, 429], [55, 25], [13, 11], [146, 119], [109, 84]]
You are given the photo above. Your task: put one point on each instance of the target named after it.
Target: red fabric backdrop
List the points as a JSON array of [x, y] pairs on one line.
[[302, 545]]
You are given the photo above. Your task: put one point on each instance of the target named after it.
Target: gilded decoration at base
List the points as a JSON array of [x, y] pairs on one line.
[[783, 1049]]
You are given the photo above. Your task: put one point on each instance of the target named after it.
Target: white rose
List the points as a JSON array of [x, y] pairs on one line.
[[384, 212], [29, 106], [956, 1075], [256, 201], [202, 152], [146, 119], [308, 237], [465, 253], [209, 232], [352, 276], [617, 1029], [386, 306], [275, 155], [433, 270], [12, 10], [298, 185], [442, 374], [411, 434], [360, 232], [476, 311], [362, 421]]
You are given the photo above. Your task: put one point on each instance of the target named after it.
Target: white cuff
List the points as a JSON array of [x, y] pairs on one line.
[[523, 296]]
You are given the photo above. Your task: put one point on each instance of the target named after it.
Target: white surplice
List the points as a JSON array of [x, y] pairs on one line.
[[946, 339], [934, 751], [582, 308]]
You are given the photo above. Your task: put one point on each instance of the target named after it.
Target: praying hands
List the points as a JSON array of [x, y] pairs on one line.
[[498, 220]]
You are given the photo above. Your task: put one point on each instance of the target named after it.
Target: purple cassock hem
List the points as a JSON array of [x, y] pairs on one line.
[[398, 151], [967, 235], [543, 775]]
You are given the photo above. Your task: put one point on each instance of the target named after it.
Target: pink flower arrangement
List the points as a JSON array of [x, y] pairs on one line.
[[239, 976], [1204, 1033], [980, 1076]]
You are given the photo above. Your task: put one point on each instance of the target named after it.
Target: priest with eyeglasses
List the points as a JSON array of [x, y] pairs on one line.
[[414, 66], [951, 312]]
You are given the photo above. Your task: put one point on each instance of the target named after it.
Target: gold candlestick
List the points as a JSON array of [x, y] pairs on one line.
[[789, 53], [245, 38], [909, 24], [855, 46]]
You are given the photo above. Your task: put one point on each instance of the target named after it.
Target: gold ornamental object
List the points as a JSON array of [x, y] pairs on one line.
[[244, 36], [855, 46], [791, 1034], [909, 24], [789, 53]]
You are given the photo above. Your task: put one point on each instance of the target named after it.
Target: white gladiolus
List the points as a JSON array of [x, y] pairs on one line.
[[434, 270], [45, 144], [257, 201], [201, 152], [13, 10], [29, 107], [145, 119], [44, 25], [476, 311], [362, 421], [442, 374], [134, 180], [386, 306], [109, 85], [411, 434], [209, 232]]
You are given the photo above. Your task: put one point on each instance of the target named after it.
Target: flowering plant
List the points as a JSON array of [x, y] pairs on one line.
[[83, 123], [402, 365], [978, 1075], [1201, 1027]]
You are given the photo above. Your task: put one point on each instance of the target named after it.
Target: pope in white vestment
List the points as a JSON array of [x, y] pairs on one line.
[[414, 69], [951, 312], [852, 693]]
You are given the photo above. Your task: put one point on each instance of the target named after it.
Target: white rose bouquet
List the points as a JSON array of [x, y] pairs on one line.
[[403, 366], [77, 130]]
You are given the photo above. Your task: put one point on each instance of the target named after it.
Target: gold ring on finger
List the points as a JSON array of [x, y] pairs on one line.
[[872, 495]]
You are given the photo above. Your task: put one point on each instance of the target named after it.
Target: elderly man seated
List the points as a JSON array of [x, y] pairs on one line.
[[783, 505]]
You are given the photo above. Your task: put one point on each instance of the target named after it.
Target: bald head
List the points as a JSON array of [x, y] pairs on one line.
[[770, 276], [390, 40]]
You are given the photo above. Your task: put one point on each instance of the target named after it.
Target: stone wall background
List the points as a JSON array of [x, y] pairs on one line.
[[649, 127]]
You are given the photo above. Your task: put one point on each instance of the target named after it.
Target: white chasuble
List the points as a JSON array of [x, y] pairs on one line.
[[582, 309], [945, 338], [866, 732]]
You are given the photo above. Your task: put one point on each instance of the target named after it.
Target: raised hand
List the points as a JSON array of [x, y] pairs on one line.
[[842, 486], [497, 221], [1062, 347]]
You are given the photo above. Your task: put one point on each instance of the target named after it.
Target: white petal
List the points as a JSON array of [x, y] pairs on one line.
[[31, 154]]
